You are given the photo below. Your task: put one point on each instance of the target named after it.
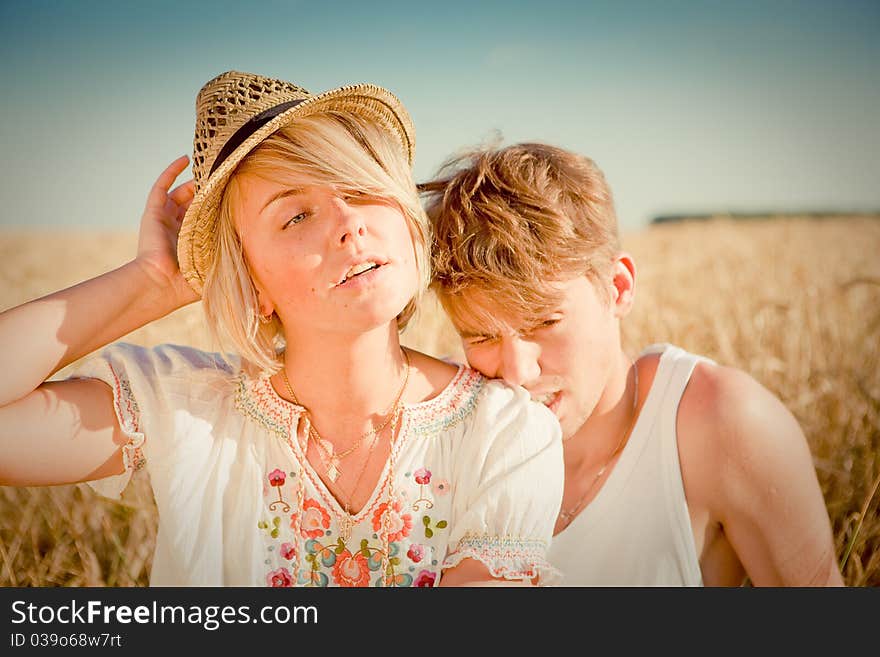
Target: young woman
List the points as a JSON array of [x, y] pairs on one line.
[[321, 452]]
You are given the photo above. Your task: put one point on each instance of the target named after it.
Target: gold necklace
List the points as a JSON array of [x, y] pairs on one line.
[[374, 442], [329, 457], [346, 520], [566, 516]]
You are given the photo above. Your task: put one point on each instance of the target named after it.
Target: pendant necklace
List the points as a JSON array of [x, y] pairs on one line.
[[567, 515], [329, 457]]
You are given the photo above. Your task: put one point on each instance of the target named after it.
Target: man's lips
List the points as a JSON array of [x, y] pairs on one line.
[[549, 399]]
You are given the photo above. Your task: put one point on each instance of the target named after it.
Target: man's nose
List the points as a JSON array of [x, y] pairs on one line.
[[519, 361]]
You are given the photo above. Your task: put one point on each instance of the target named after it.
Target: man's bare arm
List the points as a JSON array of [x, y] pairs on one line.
[[760, 480]]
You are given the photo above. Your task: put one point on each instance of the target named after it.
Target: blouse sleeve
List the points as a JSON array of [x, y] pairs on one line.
[[146, 385], [509, 486]]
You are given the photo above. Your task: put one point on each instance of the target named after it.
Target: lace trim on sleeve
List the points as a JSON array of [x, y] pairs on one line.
[[507, 557], [128, 415]]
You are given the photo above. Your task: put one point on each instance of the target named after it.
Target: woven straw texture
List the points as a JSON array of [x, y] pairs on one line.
[[228, 102]]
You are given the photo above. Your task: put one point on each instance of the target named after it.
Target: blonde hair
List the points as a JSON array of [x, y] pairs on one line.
[[337, 149], [509, 223]]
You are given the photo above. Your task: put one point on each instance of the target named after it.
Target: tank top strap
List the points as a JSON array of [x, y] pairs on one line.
[[670, 381], [673, 372]]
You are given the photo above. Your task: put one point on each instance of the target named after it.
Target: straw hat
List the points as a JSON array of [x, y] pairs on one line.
[[234, 113]]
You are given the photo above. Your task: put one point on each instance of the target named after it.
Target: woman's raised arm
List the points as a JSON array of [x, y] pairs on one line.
[[40, 337], [67, 431]]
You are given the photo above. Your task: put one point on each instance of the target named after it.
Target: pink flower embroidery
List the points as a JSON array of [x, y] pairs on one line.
[[280, 578], [315, 520], [425, 579], [441, 487], [288, 551], [351, 569], [399, 525], [277, 477], [422, 476], [416, 552]]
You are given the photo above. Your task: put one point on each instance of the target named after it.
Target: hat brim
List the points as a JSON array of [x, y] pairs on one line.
[[196, 242]]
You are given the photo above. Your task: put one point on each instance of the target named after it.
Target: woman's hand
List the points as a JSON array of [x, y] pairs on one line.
[[160, 226]]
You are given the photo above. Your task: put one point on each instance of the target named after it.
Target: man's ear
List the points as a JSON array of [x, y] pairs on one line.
[[623, 285]]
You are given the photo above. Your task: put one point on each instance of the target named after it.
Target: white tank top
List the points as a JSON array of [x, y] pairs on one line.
[[637, 531]]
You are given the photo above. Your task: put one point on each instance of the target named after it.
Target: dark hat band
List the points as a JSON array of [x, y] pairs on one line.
[[255, 123]]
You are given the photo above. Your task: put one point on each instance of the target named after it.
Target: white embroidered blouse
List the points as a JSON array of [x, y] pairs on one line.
[[475, 472]]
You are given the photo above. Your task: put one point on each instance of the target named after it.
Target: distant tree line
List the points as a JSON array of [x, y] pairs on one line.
[[815, 214]]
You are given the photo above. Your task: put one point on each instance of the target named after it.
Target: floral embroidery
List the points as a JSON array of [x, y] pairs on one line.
[[423, 478], [280, 578], [276, 524], [399, 526], [276, 480], [351, 569], [277, 477], [416, 552], [347, 569], [339, 562], [399, 580], [313, 578], [426, 521], [391, 577], [256, 400], [315, 520], [312, 549], [510, 557], [450, 407], [425, 578], [326, 554]]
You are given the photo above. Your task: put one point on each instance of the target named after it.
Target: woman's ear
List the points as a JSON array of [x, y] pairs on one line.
[[623, 284], [264, 305]]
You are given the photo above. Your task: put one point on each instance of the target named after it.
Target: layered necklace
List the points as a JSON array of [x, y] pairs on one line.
[[567, 515], [332, 459]]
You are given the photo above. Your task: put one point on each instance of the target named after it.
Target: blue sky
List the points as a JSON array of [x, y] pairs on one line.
[[687, 106]]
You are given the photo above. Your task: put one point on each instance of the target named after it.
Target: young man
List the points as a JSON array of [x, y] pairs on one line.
[[678, 471]]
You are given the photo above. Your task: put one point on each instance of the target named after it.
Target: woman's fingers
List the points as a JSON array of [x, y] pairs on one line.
[[183, 194], [160, 188]]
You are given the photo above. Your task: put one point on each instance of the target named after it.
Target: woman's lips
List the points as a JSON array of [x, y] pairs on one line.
[[362, 279]]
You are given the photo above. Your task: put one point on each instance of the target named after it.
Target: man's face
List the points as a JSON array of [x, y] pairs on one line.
[[564, 361]]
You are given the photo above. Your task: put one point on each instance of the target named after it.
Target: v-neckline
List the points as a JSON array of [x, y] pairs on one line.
[[289, 415], [300, 457]]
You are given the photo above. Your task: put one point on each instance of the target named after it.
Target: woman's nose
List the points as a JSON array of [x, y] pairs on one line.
[[351, 225]]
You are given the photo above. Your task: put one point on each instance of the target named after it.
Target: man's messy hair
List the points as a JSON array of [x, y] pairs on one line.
[[511, 223]]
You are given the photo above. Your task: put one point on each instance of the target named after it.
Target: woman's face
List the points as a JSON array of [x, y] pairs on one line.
[[323, 260]]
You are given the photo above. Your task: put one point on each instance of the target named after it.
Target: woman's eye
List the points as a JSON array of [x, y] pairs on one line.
[[549, 322], [295, 220]]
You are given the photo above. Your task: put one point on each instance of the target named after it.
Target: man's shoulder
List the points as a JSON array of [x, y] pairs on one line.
[[733, 432], [720, 400]]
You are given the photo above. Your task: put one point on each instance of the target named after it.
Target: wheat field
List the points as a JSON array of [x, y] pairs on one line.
[[794, 301]]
